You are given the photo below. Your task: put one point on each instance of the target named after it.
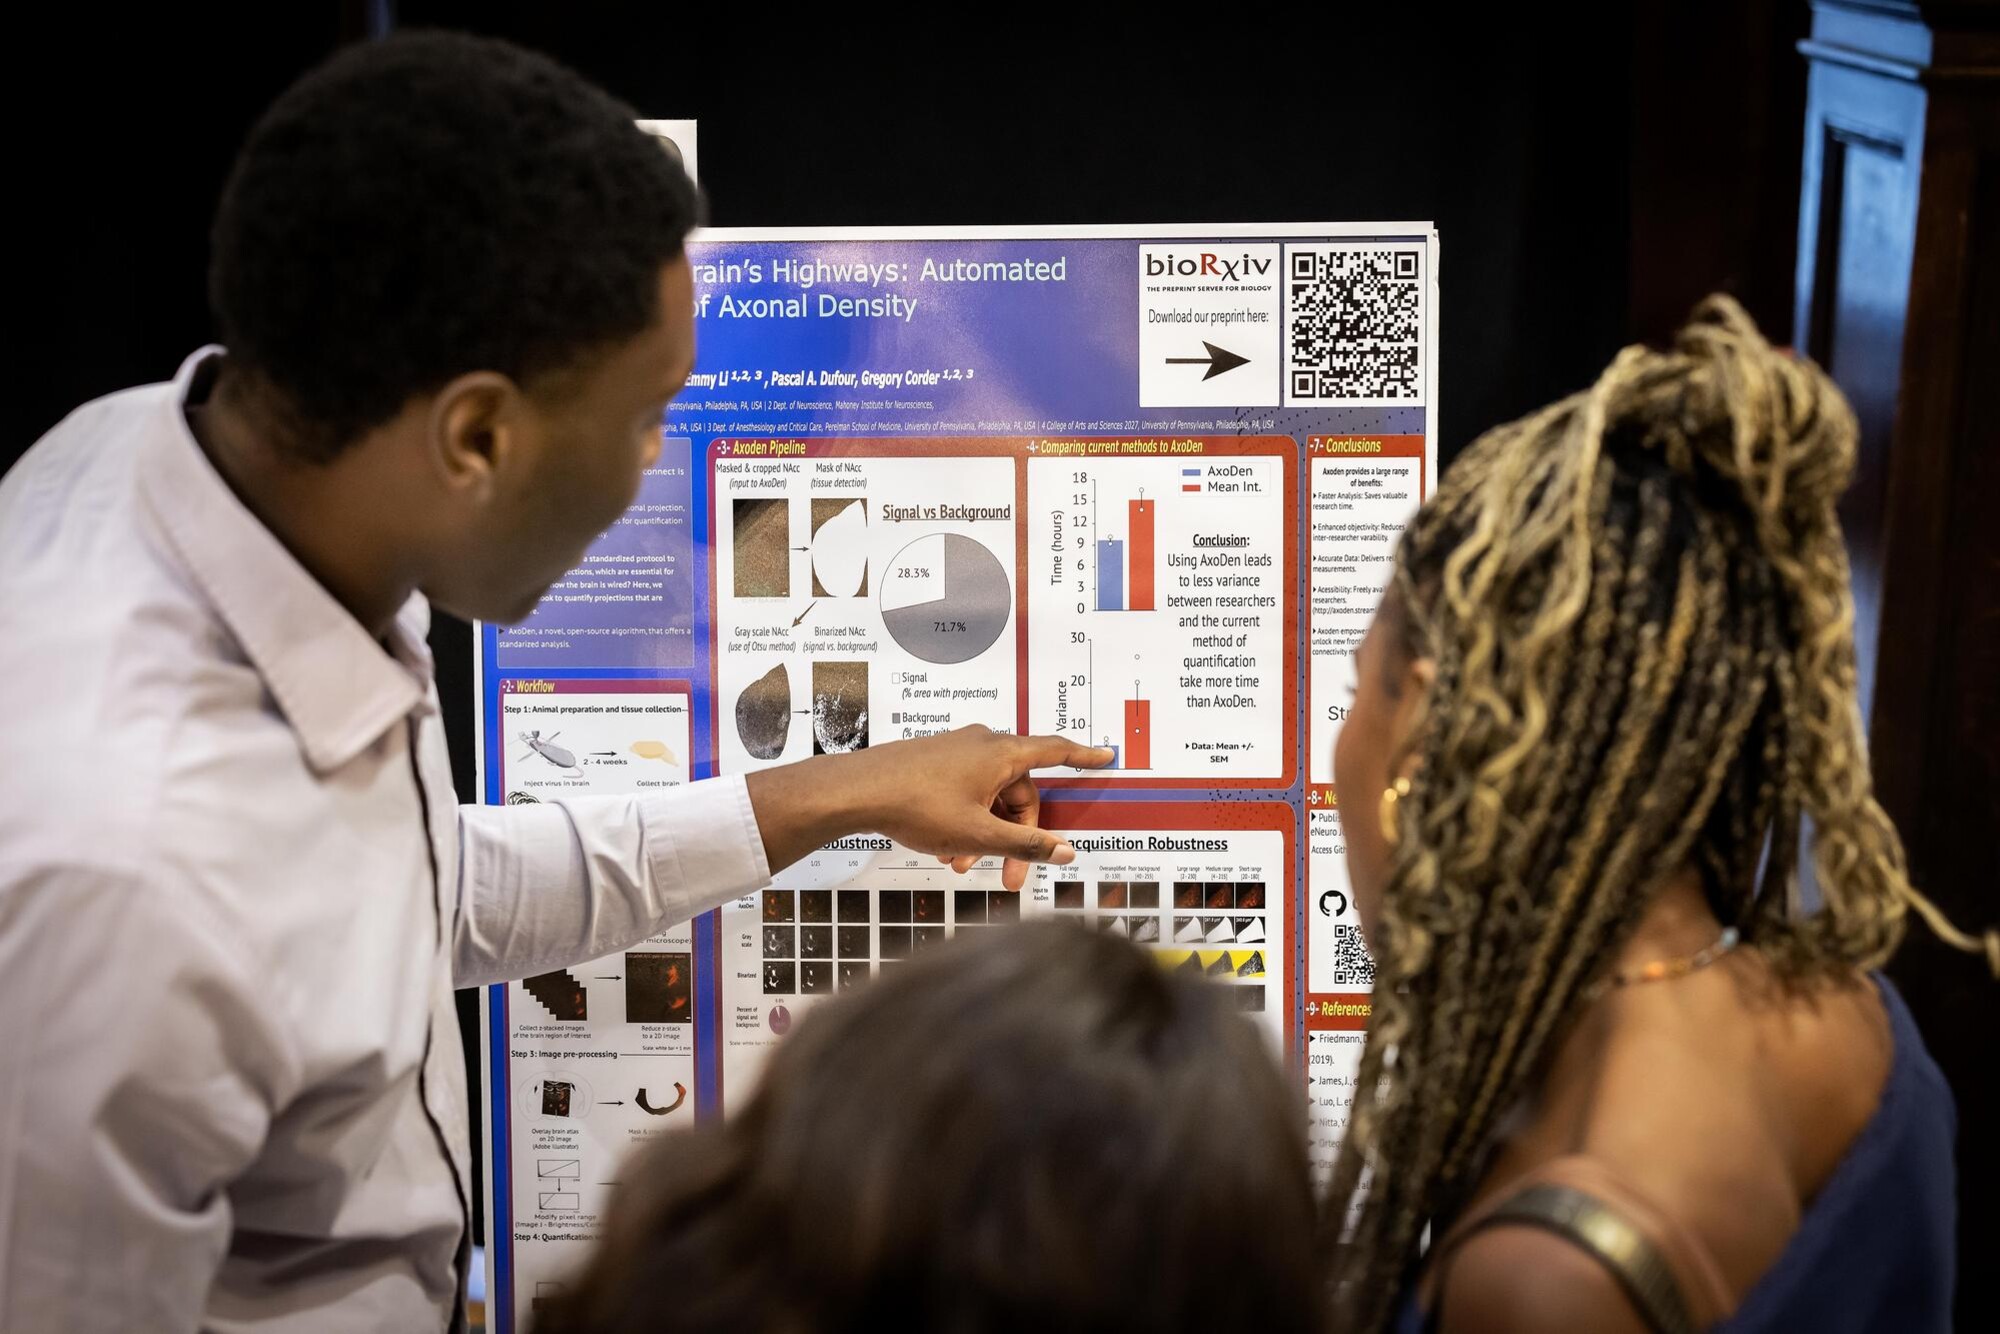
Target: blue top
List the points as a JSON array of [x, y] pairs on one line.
[[1876, 1247]]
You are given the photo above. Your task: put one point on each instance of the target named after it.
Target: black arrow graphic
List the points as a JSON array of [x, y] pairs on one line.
[[612, 977], [807, 612], [1218, 360], [612, 1102]]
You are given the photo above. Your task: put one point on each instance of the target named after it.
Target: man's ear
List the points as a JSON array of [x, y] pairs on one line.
[[475, 427]]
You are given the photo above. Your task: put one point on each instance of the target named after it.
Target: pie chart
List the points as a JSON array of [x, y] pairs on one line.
[[946, 598]]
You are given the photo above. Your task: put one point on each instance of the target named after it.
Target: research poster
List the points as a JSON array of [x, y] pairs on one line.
[[1135, 485]]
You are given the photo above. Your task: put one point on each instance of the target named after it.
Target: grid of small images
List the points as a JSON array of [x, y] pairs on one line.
[[1216, 928], [815, 941]]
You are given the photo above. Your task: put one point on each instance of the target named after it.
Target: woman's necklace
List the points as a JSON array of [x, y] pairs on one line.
[[1666, 970]]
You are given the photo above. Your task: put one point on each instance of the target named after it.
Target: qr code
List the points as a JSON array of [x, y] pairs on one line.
[[1354, 329], [1352, 965]]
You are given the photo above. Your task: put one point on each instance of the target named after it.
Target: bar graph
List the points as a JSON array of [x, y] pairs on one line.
[[1110, 574], [1138, 749], [1155, 596], [1132, 747], [1126, 566], [1139, 514]]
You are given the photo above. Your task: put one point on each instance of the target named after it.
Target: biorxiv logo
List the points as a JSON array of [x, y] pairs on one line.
[[1207, 265]]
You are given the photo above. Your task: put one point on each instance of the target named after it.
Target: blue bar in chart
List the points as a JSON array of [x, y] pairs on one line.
[[1110, 574]]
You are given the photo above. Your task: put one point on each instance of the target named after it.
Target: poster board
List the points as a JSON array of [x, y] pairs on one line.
[[1137, 485]]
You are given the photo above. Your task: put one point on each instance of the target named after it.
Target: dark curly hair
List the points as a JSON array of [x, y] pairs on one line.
[[429, 205], [1042, 1129], [1638, 606]]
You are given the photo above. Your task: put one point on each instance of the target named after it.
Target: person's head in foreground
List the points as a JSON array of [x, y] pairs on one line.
[[1041, 1129], [1613, 675]]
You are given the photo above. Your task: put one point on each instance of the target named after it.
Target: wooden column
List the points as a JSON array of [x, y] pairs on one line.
[[1898, 295]]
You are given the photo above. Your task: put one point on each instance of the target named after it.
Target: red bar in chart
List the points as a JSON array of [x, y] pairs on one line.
[[1138, 734], [1141, 584]]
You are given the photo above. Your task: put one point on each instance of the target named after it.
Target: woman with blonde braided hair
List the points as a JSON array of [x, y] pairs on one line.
[[1626, 1075]]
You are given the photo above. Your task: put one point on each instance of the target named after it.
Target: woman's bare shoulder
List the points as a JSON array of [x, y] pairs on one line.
[[1729, 1108]]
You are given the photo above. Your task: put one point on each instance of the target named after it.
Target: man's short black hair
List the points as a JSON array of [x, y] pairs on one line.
[[429, 205]]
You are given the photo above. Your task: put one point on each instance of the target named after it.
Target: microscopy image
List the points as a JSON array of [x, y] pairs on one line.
[[815, 942], [968, 905], [555, 1097], [815, 978], [780, 978], [1220, 966], [777, 905], [659, 988], [1219, 896], [1111, 926], [1145, 894], [1249, 930], [1192, 966], [852, 905], [764, 714], [815, 905], [1112, 893], [763, 543], [1187, 930], [1250, 999], [1252, 965], [839, 707], [1187, 894], [1217, 930], [895, 942], [1250, 894], [1069, 896], [851, 942], [927, 905], [1003, 906], [648, 1106], [927, 937], [895, 905], [560, 994], [781, 942], [850, 974], [1146, 930]]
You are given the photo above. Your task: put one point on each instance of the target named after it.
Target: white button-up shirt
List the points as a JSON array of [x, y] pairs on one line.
[[236, 891]]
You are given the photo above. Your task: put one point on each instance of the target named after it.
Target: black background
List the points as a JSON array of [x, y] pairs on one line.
[[1591, 170]]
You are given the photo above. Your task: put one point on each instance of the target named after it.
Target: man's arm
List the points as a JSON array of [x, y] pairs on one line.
[[558, 883], [960, 796], [137, 1080]]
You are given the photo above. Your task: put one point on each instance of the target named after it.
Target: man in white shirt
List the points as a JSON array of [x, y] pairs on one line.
[[236, 890]]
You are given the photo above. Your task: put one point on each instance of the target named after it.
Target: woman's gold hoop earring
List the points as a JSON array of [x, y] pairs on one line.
[[1392, 794]]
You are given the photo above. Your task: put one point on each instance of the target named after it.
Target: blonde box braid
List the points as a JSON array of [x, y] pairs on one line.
[[1637, 603]]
